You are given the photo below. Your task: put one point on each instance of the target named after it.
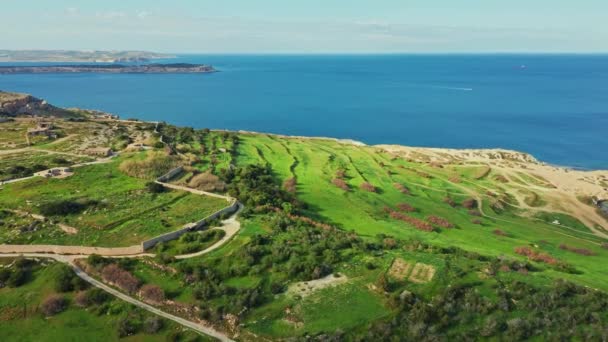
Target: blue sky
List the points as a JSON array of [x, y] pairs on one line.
[[312, 26]]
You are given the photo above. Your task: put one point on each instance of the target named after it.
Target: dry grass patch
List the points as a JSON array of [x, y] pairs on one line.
[[207, 181]]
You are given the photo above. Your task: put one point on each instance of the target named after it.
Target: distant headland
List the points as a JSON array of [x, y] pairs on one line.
[[71, 56], [177, 68]]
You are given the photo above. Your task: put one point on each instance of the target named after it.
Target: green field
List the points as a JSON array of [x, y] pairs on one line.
[[119, 210], [338, 241], [21, 318]]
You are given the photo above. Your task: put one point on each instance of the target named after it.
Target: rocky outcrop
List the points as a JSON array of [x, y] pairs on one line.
[[14, 104]]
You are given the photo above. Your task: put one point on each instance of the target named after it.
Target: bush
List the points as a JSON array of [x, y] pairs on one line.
[[406, 207], [470, 203], [17, 278], [499, 232], [156, 165], [402, 188], [368, 187], [127, 327], [290, 185], [581, 251], [155, 188], [340, 183], [53, 305], [152, 325], [64, 279], [440, 221], [207, 181], [152, 293], [123, 279], [65, 207]]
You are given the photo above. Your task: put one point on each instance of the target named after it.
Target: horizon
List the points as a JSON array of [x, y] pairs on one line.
[[314, 27]]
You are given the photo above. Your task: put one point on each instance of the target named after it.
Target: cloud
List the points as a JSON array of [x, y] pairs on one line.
[[143, 14]]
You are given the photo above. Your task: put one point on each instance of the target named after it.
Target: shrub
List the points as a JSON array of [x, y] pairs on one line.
[[536, 256], [64, 279], [81, 299], [470, 203], [340, 183], [207, 181], [440, 221], [127, 327], [152, 293], [123, 279], [401, 188], [290, 185], [449, 201], [605, 245], [581, 251], [17, 278], [53, 305], [368, 187], [499, 232], [418, 224], [152, 325], [65, 207], [406, 207], [155, 188], [154, 166], [341, 174]]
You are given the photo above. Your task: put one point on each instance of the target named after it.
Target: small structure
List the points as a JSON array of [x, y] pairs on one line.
[[99, 151], [44, 129], [58, 172]]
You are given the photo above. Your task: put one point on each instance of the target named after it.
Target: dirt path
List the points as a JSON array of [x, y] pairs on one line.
[[67, 259], [231, 226]]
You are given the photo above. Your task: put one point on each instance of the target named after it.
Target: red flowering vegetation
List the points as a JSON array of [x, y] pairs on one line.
[[418, 224], [449, 201], [152, 293], [536, 256], [406, 207], [290, 185], [470, 203], [340, 183], [402, 188], [312, 222], [340, 174], [500, 232], [368, 187], [440, 221], [123, 279], [476, 221], [581, 251]]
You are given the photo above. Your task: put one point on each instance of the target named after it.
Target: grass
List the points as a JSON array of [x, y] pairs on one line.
[[19, 322], [125, 213], [318, 161]]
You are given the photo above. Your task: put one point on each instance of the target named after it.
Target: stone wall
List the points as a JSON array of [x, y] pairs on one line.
[[231, 209], [171, 174], [73, 250]]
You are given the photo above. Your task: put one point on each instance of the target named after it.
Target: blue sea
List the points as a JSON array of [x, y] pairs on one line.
[[552, 106]]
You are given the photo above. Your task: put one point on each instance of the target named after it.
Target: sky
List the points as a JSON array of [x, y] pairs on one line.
[[311, 26]]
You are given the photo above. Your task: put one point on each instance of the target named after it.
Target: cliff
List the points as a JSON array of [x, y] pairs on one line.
[[13, 104]]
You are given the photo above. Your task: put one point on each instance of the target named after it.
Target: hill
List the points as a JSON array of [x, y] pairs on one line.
[[337, 240]]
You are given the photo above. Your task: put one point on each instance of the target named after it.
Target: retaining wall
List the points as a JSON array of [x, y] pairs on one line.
[[169, 175], [193, 227], [74, 250]]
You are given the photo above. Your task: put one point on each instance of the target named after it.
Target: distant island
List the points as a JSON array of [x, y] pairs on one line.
[[80, 56], [177, 68]]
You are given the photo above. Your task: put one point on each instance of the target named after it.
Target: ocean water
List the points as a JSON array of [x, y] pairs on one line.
[[552, 106]]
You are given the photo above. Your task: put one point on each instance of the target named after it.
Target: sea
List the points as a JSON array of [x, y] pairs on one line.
[[554, 107]]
